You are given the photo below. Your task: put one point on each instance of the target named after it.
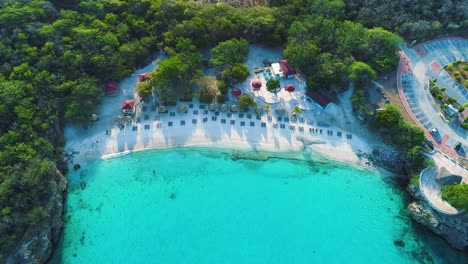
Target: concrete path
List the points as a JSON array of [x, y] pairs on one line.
[[432, 190]]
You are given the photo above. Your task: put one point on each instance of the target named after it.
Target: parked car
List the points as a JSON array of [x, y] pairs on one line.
[[435, 133]]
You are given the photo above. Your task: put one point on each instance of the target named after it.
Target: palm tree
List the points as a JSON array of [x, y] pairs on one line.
[[267, 107], [296, 110]]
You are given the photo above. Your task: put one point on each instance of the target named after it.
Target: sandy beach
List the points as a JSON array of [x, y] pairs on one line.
[[333, 132]]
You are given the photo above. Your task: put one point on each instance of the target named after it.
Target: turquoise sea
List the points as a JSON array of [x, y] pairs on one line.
[[201, 206]]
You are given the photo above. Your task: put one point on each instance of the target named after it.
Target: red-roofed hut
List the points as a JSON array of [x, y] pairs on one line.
[[143, 77], [290, 87], [287, 69], [236, 91], [112, 87], [256, 84], [318, 98], [128, 107]]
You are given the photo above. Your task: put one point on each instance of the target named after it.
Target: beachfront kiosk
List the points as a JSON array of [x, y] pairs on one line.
[[128, 107], [283, 69], [318, 99]]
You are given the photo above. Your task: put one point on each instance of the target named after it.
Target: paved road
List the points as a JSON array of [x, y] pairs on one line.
[[417, 66]]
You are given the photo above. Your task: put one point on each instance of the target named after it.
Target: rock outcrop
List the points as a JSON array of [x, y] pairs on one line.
[[36, 245], [454, 228]]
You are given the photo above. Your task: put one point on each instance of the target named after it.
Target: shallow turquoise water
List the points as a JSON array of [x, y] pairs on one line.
[[199, 206]]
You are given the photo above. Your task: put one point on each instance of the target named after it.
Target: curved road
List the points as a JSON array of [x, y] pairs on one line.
[[421, 63]]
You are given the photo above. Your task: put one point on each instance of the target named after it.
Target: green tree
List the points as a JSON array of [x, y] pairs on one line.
[[235, 74], [272, 85], [456, 195], [361, 72], [144, 89], [229, 52], [245, 101], [389, 117]]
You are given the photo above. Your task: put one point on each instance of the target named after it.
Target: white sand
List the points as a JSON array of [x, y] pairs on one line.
[[92, 143]]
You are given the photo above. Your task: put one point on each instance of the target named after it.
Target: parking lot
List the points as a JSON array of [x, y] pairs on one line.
[[417, 66]]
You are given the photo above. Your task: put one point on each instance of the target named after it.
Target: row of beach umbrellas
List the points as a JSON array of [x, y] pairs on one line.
[[223, 108], [257, 85]]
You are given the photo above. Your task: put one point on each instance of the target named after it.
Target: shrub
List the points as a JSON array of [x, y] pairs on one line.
[[457, 73], [272, 85], [221, 98], [245, 101], [450, 66], [451, 100], [222, 86], [456, 195]]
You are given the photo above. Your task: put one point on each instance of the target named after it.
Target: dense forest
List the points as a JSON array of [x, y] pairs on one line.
[[56, 56]]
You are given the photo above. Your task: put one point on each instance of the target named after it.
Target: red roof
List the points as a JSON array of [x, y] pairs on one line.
[[236, 91], [319, 98], [286, 68], [128, 104], [143, 77], [112, 87], [256, 84], [290, 87]]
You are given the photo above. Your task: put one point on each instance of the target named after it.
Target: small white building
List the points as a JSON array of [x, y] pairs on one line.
[[276, 69]]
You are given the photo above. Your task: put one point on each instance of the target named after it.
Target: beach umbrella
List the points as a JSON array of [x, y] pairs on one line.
[[256, 84], [234, 108], [281, 111], [182, 109], [290, 87], [223, 107], [162, 109], [259, 110], [212, 107], [143, 77], [236, 91]]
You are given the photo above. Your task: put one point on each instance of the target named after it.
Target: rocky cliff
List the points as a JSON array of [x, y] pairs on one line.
[[36, 245], [454, 228]]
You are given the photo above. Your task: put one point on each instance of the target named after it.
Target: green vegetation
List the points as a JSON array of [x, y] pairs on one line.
[[406, 138], [464, 125], [56, 57], [272, 85], [420, 20], [415, 179], [359, 103], [325, 47], [209, 89], [229, 52], [245, 101], [456, 195], [459, 72]]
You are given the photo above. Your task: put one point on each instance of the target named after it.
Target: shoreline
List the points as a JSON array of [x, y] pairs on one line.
[[319, 151]]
